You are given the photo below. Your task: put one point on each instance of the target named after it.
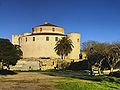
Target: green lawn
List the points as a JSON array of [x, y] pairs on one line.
[[78, 84], [88, 86], [90, 83], [70, 80], [56, 80]]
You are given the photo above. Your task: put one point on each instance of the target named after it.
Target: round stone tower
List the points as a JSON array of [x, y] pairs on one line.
[[41, 42], [75, 37], [48, 28]]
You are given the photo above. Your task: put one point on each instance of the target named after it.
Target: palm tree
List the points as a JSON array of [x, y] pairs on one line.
[[63, 47]]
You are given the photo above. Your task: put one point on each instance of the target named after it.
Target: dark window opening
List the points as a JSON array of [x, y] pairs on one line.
[[47, 38], [78, 40], [33, 38], [40, 29], [26, 39], [53, 29], [56, 38], [53, 63]]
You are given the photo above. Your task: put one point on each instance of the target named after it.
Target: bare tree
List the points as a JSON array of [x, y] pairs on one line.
[[100, 53], [96, 53], [113, 55]]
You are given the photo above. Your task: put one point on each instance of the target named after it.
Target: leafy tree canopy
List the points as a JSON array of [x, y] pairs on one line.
[[9, 53], [63, 47], [100, 53]]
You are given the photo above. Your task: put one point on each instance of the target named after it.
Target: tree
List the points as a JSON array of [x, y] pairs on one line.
[[9, 53], [63, 47], [113, 55], [88, 48], [100, 53], [96, 53]]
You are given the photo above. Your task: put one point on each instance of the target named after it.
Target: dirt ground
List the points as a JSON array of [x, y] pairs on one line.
[[28, 81]]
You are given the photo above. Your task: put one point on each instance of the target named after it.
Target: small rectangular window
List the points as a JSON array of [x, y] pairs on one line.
[[78, 40], [53, 63], [47, 38], [56, 38], [33, 38], [53, 29], [40, 29], [26, 39]]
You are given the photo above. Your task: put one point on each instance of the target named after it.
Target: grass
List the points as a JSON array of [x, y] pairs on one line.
[[83, 82], [88, 86], [90, 83], [58, 80]]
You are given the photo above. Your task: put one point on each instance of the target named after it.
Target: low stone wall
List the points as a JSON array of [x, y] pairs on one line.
[[40, 64]]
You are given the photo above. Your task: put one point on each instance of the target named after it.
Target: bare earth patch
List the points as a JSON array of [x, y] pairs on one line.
[[36, 80], [27, 81]]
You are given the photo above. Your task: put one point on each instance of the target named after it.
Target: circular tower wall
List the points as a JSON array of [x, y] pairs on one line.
[[48, 28], [75, 37]]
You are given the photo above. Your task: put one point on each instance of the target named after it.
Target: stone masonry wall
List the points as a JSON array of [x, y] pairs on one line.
[[38, 64]]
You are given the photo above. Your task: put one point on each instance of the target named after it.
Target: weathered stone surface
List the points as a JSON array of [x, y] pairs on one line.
[[39, 64]]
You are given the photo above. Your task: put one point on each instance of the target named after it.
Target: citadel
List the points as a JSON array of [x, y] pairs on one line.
[[38, 47]]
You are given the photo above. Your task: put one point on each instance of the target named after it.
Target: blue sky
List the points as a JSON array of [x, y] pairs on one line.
[[94, 19]]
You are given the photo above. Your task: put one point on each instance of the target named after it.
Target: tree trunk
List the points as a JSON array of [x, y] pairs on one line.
[[99, 70], [61, 56], [8, 67], [2, 65], [91, 71], [64, 57], [111, 69], [90, 68], [99, 67]]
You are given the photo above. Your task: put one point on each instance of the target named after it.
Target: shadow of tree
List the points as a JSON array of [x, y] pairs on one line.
[[7, 72], [81, 65], [79, 75]]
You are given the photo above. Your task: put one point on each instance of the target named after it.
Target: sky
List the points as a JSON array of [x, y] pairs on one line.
[[97, 20]]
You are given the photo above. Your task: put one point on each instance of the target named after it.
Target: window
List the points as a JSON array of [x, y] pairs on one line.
[[78, 40], [53, 63], [33, 38], [26, 39], [53, 29], [47, 38], [40, 29], [56, 38]]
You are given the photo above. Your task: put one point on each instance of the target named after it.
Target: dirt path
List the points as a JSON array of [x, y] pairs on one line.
[[28, 81]]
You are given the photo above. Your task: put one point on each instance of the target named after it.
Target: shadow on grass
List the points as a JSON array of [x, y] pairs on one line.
[[7, 72], [80, 75]]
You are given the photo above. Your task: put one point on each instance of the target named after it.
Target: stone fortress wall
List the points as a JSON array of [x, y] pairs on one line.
[[40, 64], [40, 45]]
